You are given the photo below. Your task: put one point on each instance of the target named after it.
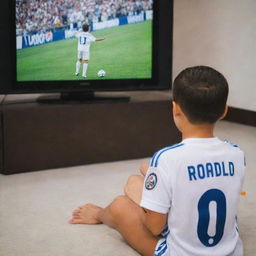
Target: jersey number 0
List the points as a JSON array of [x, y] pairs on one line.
[[217, 196]]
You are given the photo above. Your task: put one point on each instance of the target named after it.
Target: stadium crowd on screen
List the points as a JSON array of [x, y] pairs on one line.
[[35, 15]]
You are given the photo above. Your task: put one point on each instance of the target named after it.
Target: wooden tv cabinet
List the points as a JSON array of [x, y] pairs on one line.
[[38, 136]]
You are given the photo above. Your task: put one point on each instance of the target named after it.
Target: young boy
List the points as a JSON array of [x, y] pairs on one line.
[[187, 203], [83, 48]]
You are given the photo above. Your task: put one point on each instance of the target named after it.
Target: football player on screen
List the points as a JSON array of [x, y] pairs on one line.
[[84, 41]]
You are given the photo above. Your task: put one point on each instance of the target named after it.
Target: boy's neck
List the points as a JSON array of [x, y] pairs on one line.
[[198, 131]]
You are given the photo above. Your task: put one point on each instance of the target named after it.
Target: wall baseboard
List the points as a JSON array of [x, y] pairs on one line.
[[241, 116]]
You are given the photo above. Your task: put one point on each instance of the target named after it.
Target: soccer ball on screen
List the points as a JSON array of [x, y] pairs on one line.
[[101, 73]]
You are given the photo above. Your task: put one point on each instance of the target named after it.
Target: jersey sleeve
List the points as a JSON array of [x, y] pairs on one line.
[[92, 38], [156, 195]]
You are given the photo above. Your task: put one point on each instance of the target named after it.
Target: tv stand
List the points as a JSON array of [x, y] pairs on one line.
[[79, 98], [36, 136]]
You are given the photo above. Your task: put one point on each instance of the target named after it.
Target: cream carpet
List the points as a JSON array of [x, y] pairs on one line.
[[35, 207]]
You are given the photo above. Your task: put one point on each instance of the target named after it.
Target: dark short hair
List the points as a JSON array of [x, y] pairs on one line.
[[201, 92], [85, 27]]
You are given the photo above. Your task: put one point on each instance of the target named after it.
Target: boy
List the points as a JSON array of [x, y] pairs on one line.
[[83, 48], [193, 186]]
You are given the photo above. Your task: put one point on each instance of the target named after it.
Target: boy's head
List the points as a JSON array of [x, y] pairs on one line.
[[85, 27], [201, 93]]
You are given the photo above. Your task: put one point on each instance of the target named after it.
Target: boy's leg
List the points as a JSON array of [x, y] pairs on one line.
[[123, 215], [133, 188], [126, 217], [144, 168]]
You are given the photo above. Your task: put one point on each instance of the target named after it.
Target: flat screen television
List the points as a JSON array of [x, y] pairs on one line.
[[126, 45]]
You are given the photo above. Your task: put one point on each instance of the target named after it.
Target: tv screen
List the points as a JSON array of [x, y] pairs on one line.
[[79, 45]]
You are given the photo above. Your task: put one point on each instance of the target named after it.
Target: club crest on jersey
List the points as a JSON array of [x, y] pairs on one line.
[[151, 181]]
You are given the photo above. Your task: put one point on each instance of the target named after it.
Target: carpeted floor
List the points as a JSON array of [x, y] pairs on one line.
[[35, 207]]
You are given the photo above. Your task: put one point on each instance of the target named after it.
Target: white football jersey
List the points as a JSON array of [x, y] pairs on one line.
[[84, 41], [198, 183]]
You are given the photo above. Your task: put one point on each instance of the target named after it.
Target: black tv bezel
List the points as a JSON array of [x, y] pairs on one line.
[[161, 56]]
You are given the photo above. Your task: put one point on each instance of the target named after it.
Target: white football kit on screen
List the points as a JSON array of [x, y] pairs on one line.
[[84, 42], [198, 183]]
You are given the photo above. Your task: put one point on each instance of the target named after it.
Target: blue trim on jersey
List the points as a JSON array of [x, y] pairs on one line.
[[237, 226], [161, 249], [231, 144], [155, 159], [235, 146], [165, 229], [152, 160], [165, 232]]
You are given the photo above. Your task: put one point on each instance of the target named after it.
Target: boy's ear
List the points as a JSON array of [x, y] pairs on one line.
[[224, 113], [175, 108]]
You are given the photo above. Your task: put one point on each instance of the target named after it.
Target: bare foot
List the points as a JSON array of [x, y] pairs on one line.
[[86, 214], [144, 168]]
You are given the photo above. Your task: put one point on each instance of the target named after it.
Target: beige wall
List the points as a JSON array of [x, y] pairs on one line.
[[221, 34]]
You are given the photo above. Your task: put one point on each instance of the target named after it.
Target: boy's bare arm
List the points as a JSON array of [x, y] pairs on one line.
[[154, 221]]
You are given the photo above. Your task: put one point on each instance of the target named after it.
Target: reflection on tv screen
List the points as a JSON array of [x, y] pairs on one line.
[[59, 40]]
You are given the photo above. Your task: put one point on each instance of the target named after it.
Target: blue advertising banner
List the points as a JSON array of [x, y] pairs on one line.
[[42, 38]]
